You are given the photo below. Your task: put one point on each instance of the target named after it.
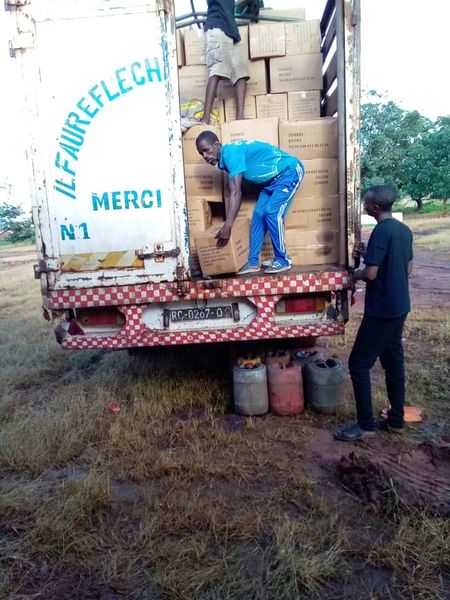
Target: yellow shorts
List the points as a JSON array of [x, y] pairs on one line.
[[225, 58]]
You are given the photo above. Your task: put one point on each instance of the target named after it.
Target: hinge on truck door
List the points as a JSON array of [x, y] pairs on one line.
[[21, 41], [45, 266], [158, 253]]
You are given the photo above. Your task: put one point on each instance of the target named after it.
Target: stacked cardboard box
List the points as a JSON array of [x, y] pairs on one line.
[[283, 107]]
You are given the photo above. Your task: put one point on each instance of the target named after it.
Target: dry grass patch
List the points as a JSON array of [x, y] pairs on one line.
[[172, 499], [419, 556]]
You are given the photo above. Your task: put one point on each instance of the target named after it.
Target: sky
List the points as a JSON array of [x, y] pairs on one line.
[[404, 47]]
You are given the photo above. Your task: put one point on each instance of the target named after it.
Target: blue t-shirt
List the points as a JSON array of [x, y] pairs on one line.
[[257, 162], [389, 248]]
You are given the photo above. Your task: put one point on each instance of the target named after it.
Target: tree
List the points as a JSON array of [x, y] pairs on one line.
[[12, 219], [395, 150], [439, 150]]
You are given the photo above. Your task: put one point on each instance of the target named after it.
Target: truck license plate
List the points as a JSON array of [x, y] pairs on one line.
[[201, 314]]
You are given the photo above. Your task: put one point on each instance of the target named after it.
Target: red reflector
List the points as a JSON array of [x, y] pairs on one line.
[[101, 317], [74, 328], [300, 304]]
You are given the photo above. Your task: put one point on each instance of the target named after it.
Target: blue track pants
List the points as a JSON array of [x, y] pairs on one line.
[[270, 212]]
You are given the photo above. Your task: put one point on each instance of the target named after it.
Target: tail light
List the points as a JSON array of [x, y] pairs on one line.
[[306, 303]]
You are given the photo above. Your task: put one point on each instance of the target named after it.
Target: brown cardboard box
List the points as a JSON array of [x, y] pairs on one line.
[[243, 31], [307, 247], [303, 106], [203, 180], [245, 210], [321, 178], [190, 152], [194, 46], [181, 60], [271, 105], [193, 80], [313, 213], [230, 258], [312, 247], [286, 13], [249, 108], [263, 130], [199, 215], [310, 139], [302, 38], [266, 40], [296, 73], [257, 84]]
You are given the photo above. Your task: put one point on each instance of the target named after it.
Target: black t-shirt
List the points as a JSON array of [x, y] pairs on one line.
[[221, 15], [389, 248]]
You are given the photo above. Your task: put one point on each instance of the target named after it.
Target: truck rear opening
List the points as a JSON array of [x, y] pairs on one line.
[[117, 263]]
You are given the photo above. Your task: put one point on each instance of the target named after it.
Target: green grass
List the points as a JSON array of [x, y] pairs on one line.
[[428, 207]]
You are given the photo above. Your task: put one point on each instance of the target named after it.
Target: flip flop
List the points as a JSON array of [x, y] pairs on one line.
[[413, 414]]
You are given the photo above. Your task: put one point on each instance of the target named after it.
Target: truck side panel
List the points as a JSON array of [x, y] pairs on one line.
[[111, 203]]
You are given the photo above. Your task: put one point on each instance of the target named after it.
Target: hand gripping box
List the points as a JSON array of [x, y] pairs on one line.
[[230, 258]]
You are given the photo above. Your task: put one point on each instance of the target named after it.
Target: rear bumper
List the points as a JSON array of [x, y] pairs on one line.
[[263, 292]]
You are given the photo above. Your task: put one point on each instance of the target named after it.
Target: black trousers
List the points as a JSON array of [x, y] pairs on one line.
[[378, 338]]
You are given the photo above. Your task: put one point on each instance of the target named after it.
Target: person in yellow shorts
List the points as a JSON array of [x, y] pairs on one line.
[[225, 56]]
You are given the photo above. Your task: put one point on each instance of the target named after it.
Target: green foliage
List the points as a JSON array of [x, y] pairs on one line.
[[406, 150], [12, 219]]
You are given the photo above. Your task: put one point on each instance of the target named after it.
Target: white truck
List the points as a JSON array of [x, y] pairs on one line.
[[101, 104]]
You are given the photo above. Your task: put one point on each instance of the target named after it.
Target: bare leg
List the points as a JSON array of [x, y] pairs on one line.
[[211, 91], [240, 87]]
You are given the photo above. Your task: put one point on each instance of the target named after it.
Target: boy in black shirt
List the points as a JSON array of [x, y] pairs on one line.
[[225, 56], [388, 261]]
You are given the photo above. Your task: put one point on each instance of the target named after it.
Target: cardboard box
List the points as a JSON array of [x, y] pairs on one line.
[[193, 80], [266, 40], [296, 73], [303, 106], [287, 13], [199, 215], [257, 84], [263, 130], [203, 180], [302, 38], [190, 152], [243, 32], [271, 105], [314, 213], [181, 60], [230, 258], [310, 139], [312, 247], [245, 210], [307, 247], [321, 178], [249, 108], [194, 46]]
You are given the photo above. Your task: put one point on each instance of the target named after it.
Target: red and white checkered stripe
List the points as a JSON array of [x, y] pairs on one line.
[[299, 283], [265, 293]]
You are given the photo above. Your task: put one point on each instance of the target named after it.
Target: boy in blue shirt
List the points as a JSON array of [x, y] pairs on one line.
[[388, 264], [276, 172]]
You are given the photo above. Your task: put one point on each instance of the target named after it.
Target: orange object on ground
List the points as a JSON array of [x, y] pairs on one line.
[[413, 414], [113, 407]]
